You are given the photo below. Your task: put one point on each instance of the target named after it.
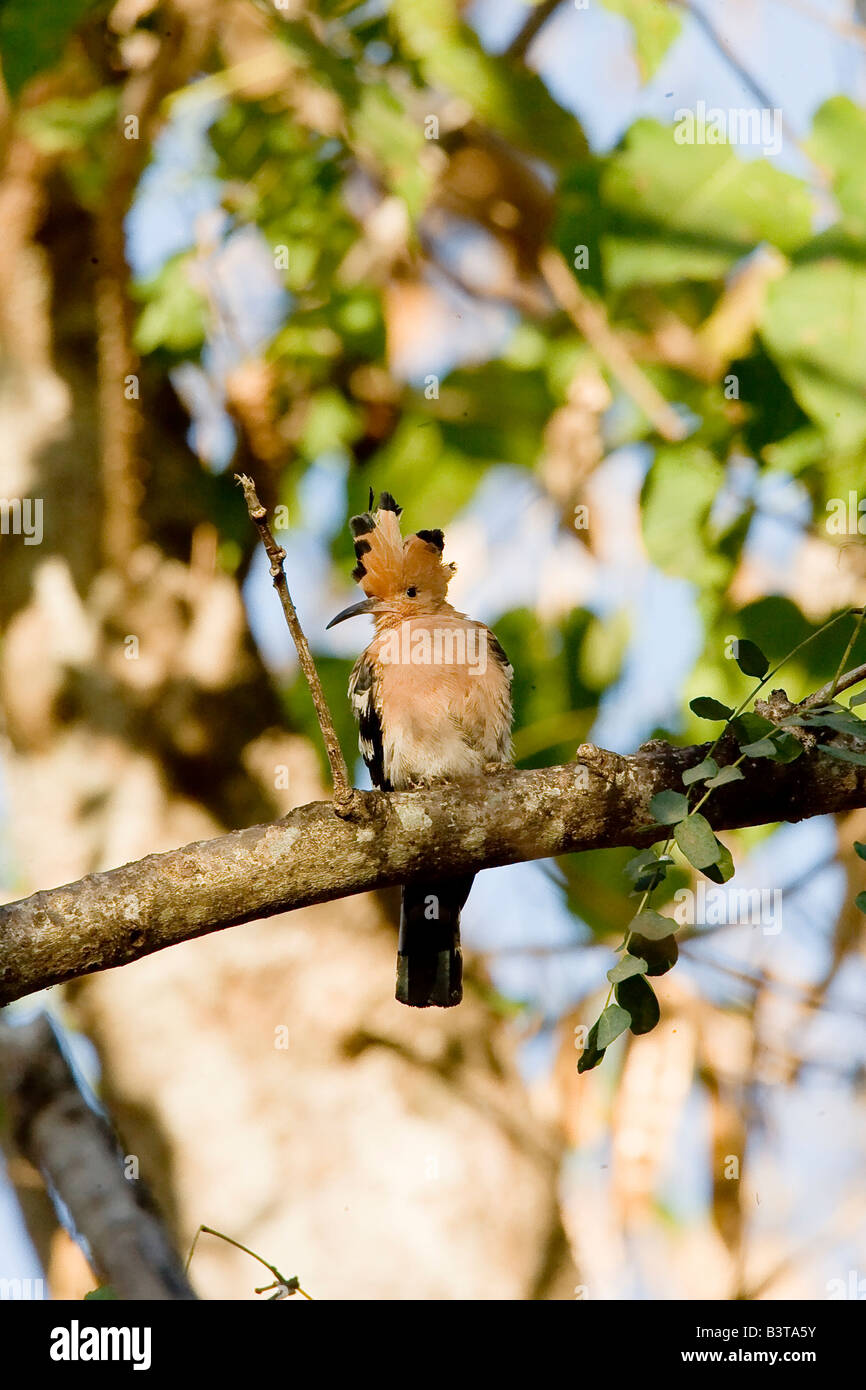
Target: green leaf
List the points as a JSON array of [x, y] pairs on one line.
[[762, 748], [495, 410], [611, 1024], [858, 699], [651, 925], [647, 870], [788, 748], [705, 707], [592, 1054], [796, 451], [748, 728], [105, 1291], [603, 650], [637, 865], [689, 211], [668, 807], [677, 497], [750, 658], [330, 423], [175, 314], [33, 36], [708, 768], [860, 849], [625, 968], [815, 329], [655, 28], [381, 127], [840, 721], [452, 59], [860, 901], [637, 1000], [697, 841], [723, 869], [68, 123], [845, 755], [837, 143], [725, 775], [659, 955]]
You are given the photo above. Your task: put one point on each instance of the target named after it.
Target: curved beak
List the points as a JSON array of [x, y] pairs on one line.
[[365, 606]]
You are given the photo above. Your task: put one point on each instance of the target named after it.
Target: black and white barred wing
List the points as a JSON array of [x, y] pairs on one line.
[[363, 693]]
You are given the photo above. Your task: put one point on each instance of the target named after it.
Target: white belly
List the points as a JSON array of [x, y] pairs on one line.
[[411, 756], [441, 724]]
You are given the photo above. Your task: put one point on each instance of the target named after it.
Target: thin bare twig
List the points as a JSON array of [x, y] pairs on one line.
[[590, 319], [836, 686], [531, 26], [845, 28], [343, 794], [722, 47], [281, 1284]]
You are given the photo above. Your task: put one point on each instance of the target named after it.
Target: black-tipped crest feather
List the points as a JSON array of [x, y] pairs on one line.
[[361, 525], [435, 537], [387, 504]]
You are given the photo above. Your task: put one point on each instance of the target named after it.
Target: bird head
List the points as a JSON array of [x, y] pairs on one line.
[[401, 578]]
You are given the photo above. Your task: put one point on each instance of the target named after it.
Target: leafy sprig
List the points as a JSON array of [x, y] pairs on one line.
[[649, 947]]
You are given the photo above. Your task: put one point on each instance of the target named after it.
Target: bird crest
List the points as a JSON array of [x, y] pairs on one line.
[[389, 566]]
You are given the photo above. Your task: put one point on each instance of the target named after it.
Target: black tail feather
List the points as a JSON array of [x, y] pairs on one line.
[[429, 958]]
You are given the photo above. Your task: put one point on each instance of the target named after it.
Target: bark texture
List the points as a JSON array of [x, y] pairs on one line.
[[76, 1151], [315, 855]]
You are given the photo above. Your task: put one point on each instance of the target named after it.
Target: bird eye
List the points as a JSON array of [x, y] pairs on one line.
[[410, 593]]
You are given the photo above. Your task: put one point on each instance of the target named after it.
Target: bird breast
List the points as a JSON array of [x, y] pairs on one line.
[[443, 694]]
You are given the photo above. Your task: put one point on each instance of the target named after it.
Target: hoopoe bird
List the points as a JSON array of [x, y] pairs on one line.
[[432, 697]]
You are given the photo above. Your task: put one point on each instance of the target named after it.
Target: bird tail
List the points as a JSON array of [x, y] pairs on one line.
[[429, 958]]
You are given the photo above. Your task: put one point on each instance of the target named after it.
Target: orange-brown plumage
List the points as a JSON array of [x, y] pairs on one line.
[[387, 565], [432, 695]]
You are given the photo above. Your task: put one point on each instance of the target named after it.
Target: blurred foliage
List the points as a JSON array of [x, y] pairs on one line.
[[654, 27], [174, 316], [384, 140], [689, 212], [450, 57], [33, 36]]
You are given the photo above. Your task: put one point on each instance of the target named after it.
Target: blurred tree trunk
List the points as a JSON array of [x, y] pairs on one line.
[[265, 1079]]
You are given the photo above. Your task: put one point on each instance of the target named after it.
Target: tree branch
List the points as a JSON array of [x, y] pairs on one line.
[[343, 794], [183, 41], [314, 855], [590, 319], [75, 1150], [531, 26], [835, 687]]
